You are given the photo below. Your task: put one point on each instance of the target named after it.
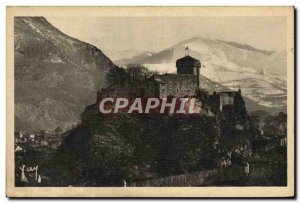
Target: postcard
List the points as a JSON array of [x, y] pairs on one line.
[[150, 102]]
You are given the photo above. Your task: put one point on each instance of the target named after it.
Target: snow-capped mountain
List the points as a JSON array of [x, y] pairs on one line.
[[260, 74], [123, 55], [132, 59]]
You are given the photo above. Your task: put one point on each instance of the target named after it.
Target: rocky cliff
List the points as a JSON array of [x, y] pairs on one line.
[[56, 76]]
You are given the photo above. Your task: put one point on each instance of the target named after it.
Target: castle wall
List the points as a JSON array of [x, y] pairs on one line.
[[175, 85]]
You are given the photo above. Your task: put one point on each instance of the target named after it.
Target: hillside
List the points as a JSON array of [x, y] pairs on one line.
[[251, 106], [123, 56], [56, 76], [260, 74]]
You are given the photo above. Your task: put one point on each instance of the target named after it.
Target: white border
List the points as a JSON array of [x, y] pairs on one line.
[[5, 3]]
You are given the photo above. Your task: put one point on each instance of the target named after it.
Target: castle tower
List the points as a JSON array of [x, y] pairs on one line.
[[189, 65]]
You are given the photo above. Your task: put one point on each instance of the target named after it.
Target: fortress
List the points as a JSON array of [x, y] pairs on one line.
[[185, 83]]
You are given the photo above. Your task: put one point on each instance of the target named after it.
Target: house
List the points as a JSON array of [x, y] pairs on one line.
[[18, 149], [32, 137], [19, 135]]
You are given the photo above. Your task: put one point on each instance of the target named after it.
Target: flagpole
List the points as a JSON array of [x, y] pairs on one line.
[[187, 51]]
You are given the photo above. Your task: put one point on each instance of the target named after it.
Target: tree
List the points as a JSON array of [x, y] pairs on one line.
[[117, 77], [134, 76]]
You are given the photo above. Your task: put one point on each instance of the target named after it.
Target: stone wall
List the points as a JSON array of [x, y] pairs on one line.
[[191, 179], [175, 85], [259, 175]]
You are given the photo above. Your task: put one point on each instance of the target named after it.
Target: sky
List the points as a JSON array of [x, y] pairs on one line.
[[158, 33]]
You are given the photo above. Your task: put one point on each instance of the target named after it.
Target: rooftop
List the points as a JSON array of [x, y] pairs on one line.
[[188, 60]]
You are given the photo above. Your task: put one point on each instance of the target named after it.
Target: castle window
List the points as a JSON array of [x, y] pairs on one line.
[[177, 90], [195, 71]]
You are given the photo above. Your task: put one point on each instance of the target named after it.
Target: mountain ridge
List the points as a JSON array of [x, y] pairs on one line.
[[260, 73], [56, 76]]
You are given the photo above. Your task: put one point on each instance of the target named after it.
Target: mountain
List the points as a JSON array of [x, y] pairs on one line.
[[260, 74], [125, 54], [251, 106], [56, 76]]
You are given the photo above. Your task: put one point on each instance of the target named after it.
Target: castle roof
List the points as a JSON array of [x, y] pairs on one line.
[[188, 60]]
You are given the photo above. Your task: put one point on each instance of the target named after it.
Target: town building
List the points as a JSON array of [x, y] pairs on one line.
[[230, 106]]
